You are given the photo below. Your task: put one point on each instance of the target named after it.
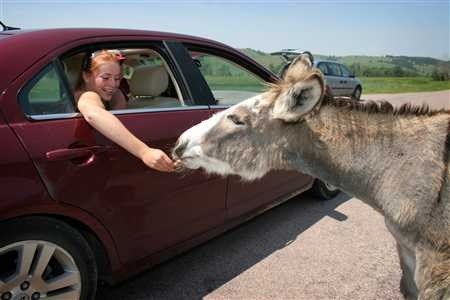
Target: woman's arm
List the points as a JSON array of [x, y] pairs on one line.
[[94, 112]]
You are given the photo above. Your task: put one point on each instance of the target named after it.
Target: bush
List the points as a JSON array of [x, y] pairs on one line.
[[441, 73]]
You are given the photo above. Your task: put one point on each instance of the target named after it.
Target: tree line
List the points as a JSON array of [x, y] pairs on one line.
[[400, 68]]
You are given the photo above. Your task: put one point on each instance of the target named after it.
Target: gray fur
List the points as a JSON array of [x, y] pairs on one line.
[[396, 160]]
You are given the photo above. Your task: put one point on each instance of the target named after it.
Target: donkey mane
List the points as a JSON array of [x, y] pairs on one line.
[[382, 107], [368, 106]]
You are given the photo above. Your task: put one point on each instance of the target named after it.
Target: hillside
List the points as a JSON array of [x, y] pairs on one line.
[[375, 66]]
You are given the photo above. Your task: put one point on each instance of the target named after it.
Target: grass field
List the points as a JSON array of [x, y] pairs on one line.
[[371, 85]]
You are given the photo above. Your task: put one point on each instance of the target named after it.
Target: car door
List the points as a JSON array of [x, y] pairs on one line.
[[231, 80], [334, 79], [144, 210], [348, 84]]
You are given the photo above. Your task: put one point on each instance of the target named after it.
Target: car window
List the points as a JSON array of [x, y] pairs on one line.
[[333, 69], [229, 82], [345, 72], [148, 82], [46, 94], [323, 68]]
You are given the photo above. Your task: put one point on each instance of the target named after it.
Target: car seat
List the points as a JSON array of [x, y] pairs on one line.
[[146, 86]]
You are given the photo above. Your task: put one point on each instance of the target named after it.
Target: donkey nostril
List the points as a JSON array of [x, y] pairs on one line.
[[179, 148]]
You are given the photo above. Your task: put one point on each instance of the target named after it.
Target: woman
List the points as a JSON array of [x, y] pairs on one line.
[[97, 91]]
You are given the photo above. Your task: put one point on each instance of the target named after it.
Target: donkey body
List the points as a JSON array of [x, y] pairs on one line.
[[395, 160]]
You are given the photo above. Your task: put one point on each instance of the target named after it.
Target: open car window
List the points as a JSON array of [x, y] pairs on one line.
[[229, 82], [147, 83]]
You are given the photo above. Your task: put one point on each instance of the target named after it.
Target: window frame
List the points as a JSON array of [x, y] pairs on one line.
[[252, 67], [326, 67], [159, 46], [23, 95], [344, 68], [330, 68]]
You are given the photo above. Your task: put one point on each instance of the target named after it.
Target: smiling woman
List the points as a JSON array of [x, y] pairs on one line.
[[102, 73], [97, 91]]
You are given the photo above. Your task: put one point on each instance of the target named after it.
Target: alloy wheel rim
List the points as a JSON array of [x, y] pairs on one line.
[[38, 270]]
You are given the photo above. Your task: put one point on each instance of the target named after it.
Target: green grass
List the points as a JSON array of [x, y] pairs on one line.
[[238, 83], [371, 85], [375, 85]]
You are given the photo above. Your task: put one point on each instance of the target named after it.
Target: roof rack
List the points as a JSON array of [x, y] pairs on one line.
[[288, 55], [5, 28]]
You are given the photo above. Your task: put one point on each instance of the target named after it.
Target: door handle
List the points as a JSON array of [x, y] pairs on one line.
[[72, 153]]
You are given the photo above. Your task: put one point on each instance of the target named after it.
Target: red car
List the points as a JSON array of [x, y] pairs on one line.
[[76, 208]]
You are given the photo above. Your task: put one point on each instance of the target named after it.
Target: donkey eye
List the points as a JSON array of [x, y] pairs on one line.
[[236, 120]]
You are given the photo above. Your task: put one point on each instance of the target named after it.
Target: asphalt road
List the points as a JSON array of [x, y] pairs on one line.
[[302, 249]]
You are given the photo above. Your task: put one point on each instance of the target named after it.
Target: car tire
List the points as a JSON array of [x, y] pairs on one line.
[[357, 93], [43, 257], [324, 191]]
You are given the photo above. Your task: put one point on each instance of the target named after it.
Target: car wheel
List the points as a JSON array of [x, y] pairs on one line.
[[324, 191], [357, 93], [43, 258]]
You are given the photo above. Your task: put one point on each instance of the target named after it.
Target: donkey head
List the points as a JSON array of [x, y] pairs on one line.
[[253, 137]]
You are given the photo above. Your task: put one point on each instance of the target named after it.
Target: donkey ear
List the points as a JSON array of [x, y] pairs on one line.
[[299, 100], [299, 66]]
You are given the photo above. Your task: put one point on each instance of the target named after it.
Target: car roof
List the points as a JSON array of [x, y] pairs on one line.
[[24, 47]]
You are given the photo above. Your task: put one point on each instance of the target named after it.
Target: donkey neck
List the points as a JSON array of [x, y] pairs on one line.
[[377, 157]]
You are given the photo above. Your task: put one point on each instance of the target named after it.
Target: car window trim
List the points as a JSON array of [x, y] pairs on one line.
[[48, 117], [221, 106]]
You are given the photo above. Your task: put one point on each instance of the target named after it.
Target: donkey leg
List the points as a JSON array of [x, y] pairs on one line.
[[407, 258], [407, 262], [433, 272]]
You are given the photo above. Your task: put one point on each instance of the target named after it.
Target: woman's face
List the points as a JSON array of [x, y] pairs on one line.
[[105, 80]]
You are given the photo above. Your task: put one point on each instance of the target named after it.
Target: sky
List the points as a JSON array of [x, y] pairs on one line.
[[338, 27]]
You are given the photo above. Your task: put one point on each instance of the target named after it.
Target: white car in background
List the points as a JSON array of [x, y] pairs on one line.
[[338, 77]]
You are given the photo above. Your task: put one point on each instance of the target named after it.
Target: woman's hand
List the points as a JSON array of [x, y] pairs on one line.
[[158, 160], [93, 110]]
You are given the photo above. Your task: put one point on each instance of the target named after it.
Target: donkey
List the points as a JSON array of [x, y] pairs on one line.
[[394, 159]]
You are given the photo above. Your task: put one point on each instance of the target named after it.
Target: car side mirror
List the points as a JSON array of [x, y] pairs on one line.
[[351, 75]]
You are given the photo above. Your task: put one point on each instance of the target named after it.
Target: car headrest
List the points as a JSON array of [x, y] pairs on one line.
[[149, 81]]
